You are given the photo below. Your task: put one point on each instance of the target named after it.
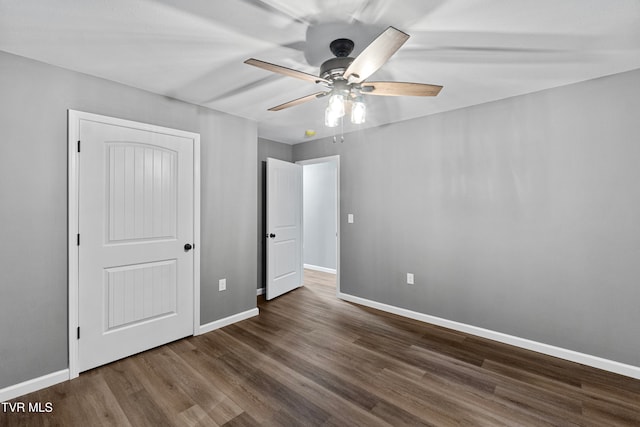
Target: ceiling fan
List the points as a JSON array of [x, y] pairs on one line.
[[344, 77]]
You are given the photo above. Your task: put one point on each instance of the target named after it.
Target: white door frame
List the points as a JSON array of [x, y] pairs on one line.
[[335, 158], [74, 118]]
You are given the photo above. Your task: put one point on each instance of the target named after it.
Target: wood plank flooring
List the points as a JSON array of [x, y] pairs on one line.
[[310, 359]]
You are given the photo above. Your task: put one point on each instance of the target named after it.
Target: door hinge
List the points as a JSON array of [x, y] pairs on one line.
[[78, 239], [78, 146], [78, 332]]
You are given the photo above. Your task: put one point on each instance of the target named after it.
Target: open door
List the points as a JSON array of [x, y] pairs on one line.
[[284, 227]]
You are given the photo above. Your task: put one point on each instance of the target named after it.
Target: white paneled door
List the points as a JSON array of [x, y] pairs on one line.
[[284, 227], [136, 239]]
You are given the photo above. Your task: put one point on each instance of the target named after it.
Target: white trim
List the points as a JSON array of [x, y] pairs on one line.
[[73, 121], [562, 353], [32, 385], [217, 324], [260, 291], [196, 232], [318, 268]]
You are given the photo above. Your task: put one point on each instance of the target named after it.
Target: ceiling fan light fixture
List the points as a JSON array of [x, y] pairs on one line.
[[346, 78], [358, 111], [336, 104], [331, 119]]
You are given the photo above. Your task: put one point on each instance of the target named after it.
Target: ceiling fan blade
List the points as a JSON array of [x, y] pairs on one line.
[[298, 101], [375, 55], [284, 70], [400, 89]]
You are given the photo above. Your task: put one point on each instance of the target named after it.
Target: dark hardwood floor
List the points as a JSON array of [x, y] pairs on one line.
[[311, 359]]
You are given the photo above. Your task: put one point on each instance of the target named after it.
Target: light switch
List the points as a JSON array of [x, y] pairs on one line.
[[350, 218]]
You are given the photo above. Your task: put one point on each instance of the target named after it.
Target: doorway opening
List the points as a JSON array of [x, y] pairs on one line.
[[321, 220]]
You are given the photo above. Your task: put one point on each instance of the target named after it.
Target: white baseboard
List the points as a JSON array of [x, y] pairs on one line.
[[35, 384], [260, 291], [318, 268], [227, 321], [562, 353]]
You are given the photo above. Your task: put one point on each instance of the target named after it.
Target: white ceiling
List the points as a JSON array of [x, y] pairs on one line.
[[193, 50]]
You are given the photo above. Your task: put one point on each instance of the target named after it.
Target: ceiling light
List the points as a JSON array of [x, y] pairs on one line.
[[358, 111], [331, 119], [336, 104]]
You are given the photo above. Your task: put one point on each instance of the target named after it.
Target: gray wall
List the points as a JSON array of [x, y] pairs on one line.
[[33, 204], [319, 183], [520, 216], [275, 150], [228, 216]]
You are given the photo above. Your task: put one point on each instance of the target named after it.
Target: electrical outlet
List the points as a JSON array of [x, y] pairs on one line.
[[222, 285], [410, 279]]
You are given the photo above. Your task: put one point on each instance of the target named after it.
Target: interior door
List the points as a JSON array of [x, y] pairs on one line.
[[136, 234], [284, 227]]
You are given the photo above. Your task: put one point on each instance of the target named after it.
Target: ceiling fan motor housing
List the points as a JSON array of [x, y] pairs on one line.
[[335, 67]]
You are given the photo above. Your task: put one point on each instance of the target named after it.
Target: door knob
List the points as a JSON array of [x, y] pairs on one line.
[[188, 247], [273, 236]]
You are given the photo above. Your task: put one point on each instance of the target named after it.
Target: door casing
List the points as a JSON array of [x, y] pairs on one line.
[[74, 118]]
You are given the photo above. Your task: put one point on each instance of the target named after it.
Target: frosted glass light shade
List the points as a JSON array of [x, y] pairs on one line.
[[330, 119], [336, 104], [358, 112]]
